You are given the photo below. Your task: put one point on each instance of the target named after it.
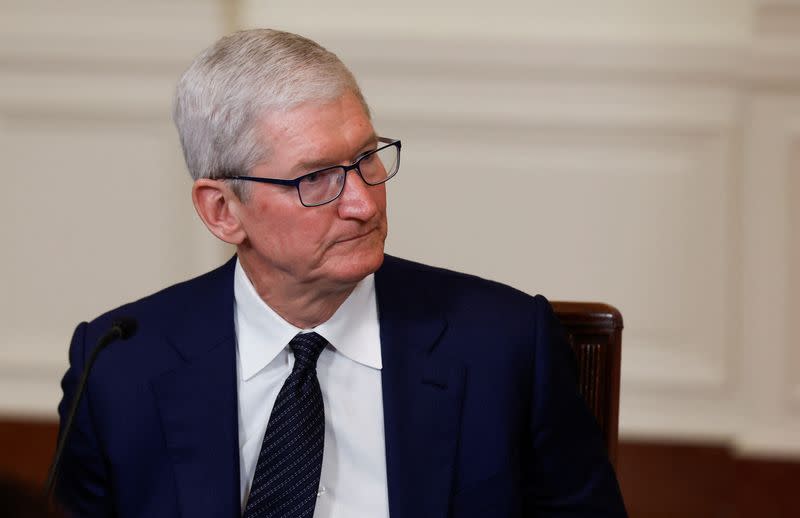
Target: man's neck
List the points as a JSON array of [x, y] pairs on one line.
[[304, 305]]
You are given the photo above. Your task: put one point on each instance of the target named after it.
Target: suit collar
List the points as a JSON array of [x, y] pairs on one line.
[[422, 393], [204, 318]]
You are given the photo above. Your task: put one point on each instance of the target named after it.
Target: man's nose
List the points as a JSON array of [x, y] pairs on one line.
[[357, 199]]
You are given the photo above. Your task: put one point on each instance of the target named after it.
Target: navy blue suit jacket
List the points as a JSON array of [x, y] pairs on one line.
[[482, 417]]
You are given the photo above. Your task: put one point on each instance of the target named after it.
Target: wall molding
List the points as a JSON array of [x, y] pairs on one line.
[[127, 51], [735, 64], [792, 370]]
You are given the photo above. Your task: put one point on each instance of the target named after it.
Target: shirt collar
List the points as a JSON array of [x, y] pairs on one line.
[[262, 334], [353, 330]]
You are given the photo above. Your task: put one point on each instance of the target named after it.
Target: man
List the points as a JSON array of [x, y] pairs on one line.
[[311, 375]]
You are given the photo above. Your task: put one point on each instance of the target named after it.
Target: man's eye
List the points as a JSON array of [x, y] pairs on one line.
[[313, 178]]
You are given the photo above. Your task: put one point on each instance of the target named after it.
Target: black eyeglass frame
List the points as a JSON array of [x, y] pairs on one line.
[[346, 168]]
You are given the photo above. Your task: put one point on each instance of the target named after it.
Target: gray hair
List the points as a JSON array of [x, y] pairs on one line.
[[231, 86]]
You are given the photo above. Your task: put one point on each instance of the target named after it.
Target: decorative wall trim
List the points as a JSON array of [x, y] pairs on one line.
[[157, 52], [793, 277], [737, 65]]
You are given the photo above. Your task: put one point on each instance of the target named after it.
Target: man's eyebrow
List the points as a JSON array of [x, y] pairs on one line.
[[311, 165]]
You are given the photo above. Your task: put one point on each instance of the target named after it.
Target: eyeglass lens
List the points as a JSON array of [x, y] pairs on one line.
[[325, 186]]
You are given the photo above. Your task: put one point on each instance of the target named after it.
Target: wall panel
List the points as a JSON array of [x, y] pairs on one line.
[[622, 191]]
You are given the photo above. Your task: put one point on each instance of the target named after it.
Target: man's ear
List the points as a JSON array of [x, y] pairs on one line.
[[217, 206]]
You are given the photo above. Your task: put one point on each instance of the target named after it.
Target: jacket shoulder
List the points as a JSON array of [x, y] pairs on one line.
[[451, 287], [171, 301]]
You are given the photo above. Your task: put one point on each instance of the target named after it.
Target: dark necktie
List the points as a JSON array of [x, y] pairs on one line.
[[287, 473]]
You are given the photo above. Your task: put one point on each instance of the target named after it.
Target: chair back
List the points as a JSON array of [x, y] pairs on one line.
[[594, 331]]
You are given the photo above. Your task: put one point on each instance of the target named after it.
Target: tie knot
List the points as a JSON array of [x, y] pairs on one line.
[[307, 348]]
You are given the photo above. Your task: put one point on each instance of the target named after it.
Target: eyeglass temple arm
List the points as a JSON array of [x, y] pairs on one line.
[[277, 181]]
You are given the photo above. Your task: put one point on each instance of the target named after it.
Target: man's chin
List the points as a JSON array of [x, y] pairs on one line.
[[354, 268]]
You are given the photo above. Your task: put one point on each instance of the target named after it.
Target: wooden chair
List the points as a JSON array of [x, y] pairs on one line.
[[594, 331]]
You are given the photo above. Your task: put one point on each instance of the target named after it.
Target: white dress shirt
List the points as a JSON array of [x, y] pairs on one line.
[[353, 480]]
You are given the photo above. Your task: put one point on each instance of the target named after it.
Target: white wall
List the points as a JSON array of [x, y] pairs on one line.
[[95, 198], [641, 153]]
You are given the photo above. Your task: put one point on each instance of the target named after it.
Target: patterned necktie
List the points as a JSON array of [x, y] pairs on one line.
[[287, 475]]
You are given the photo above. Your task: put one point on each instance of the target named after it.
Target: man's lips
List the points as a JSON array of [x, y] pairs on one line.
[[358, 236]]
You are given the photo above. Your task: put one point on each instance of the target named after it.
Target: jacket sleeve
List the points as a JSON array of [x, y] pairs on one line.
[[571, 475], [83, 484]]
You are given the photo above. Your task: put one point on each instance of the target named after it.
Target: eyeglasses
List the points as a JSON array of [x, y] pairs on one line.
[[325, 185]]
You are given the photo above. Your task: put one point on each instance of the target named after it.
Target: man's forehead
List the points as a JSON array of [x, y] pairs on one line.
[[318, 132], [343, 117], [323, 157]]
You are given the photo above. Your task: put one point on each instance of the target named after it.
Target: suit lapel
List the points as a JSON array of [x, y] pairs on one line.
[[422, 394], [197, 402]]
